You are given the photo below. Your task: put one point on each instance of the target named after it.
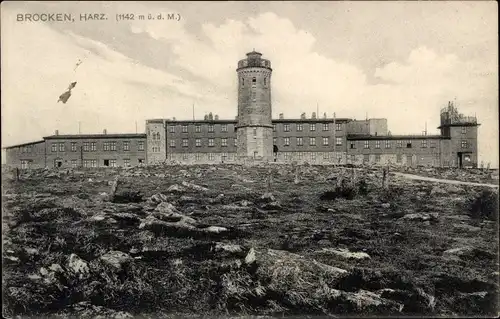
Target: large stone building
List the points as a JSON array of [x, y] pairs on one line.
[[255, 137]]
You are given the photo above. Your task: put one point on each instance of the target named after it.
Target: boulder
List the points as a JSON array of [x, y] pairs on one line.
[[194, 186], [116, 259], [78, 266], [345, 253], [176, 189]]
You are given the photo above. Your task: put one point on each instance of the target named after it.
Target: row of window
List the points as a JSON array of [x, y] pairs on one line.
[[223, 128], [197, 142], [309, 155], [27, 149], [299, 141], [210, 156], [399, 144], [254, 82], [92, 146], [106, 162], [197, 129], [299, 127]]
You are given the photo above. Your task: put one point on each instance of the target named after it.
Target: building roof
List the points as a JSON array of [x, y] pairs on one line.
[[360, 137], [254, 53], [24, 144], [87, 136], [317, 120]]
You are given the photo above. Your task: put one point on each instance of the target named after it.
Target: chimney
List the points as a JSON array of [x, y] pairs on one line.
[[324, 116], [281, 116], [57, 132], [210, 116], [216, 117], [173, 118], [303, 116], [205, 117], [104, 131], [313, 115]]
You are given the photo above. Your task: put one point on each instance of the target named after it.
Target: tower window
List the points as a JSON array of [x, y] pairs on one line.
[[265, 81], [254, 132], [254, 80], [242, 81]]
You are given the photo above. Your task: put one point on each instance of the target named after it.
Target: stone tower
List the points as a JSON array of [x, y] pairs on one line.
[[254, 129]]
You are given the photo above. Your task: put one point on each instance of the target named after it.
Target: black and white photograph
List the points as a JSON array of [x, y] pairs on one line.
[[250, 159]]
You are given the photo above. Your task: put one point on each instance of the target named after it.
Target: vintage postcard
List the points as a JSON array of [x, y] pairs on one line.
[[249, 159]]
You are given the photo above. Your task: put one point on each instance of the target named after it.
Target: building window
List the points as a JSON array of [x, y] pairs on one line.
[[184, 128], [399, 144], [300, 141], [338, 127], [353, 145], [210, 142], [126, 162], [312, 127], [61, 147], [398, 158], [140, 161], [254, 80], [299, 127], [326, 156], [223, 141], [141, 146], [367, 144], [198, 142], [197, 128], [198, 156], [223, 128], [113, 146], [424, 143], [242, 81], [274, 140], [464, 144], [235, 141], [105, 146], [265, 81], [185, 142], [353, 158], [156, 149], [210, 128], [54, 147], [224, 157], [312, 141], [93, 146], [433, 144], [377, 144], [254, 132], [24, 164], [286, 141], [338, 141], [300, 155], [274, 127], [286, 127], [388, 144], [112, 163], [377, 158], [211, 156], [73, 146], [126, 146], [85, 146], [172, 143], [325, 141], [313, 156], [464, 130], [93, 163], [287, 156], [185, 157], [172, 129], [408, 144], [74, 163], [326, 126]]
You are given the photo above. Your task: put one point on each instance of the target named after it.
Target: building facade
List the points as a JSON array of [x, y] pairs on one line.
[[253, 136]]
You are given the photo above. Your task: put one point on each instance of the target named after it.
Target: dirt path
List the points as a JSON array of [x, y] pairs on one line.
[[437, 180]]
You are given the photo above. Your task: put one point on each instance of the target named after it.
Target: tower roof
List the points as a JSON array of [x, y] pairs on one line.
[[254, 53]]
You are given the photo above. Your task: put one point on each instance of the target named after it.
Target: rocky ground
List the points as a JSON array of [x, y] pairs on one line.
[[231, 241]]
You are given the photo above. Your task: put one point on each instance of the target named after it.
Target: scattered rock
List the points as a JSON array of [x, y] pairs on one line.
[[267, 198], [250, 257], [176, 189], [438, 190], [465, 227], [194, 186], [386, 205]]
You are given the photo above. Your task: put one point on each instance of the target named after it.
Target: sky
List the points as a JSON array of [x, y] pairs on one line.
[[397, 60]]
